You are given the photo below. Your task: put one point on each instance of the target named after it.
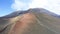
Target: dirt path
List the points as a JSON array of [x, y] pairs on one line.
[[22, 24]]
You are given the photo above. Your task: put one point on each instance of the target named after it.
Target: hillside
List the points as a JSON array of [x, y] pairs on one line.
[[32, 21]]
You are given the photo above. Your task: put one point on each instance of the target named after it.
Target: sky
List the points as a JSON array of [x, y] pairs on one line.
[[9, 6]]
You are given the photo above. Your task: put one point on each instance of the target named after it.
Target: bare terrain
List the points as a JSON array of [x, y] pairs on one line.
[[32, 21]]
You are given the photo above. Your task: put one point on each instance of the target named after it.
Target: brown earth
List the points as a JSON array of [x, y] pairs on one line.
[[23, 23]]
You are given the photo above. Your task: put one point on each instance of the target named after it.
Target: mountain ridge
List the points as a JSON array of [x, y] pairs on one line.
[[42, 21], [40, 10]]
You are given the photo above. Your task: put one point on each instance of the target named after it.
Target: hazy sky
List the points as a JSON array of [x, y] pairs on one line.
[[8, 6]]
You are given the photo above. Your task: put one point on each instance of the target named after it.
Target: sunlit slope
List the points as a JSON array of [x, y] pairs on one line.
[[30, 25], [47, 20], [7, 23], [43, 22]]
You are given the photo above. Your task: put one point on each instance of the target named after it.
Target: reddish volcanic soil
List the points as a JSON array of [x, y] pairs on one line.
[[22, 24]]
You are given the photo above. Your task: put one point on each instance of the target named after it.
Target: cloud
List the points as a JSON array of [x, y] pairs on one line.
[[38, 3], [20, 5], [25, 4], [52, 5]]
